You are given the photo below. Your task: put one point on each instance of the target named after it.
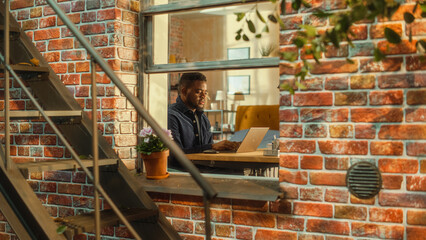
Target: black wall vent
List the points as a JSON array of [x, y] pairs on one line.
[[364, 180]]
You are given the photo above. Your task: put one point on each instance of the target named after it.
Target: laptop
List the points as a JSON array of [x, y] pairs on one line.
[[250, 142]]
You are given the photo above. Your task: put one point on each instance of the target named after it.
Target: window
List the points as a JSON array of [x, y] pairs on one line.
[[200, 36]]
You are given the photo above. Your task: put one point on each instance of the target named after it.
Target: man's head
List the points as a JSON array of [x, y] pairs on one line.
[[193, 90]]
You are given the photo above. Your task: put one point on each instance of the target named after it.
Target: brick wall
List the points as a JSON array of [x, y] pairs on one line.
[[365, 111]]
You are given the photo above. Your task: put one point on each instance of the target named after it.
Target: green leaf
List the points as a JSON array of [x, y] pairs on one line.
[[251, 26], [272, 18], [350, 61], [258, 35], [408, 17], [260, 16], [378, 55], [306, 4], [265, 29], [238, 37], [239, 31], [281, 22], [300, 85], [422, 43], [240, 16], [423, 14], [321, 14], [310, 30], [289, 56], [423, 7], [245, 38], [61, 229], [392, 36], [296, 4], [299, 42]]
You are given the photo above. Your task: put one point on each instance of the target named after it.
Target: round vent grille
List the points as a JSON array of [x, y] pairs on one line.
[[364, 180]]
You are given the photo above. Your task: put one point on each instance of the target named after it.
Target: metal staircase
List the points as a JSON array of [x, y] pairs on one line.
[[111, 178]]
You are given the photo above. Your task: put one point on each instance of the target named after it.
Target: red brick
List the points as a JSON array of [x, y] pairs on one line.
[[74, 17], [335, 66], [313, 194], [313, 209], [391, 181], [341, 131], [66, 188], [59, 200], [416, 233], [17, 4], [312, 84], [416, 149], [324, 115], [336, 163], [108, 14], [107, 52], [264, 234], [73, 55], [47, 187], [46, 34], [94, 28], [378, 31], [313, 99], [415, 114], [315, 130], [82, 67], [404, 47], [386, 97], [405, 132], [414, 200], [386, 65], [402, 81], [350, 98], [350, 212], [30, 25], [289, 68], [70, 79], [244, 233], [378, 231], [377, 115], [290, 223], [336, 195], [99, 41], [183, 226], [57, 152], [327, 226], [299, 177], [416, 183], [290, 192], [310, 237], [386, 148], [359, 32], [48, 139], [416, 97], [344, 147], [418, 28], [386, 215], [363, 82], [47, 22], [253, 219], [327, 178], [416, 217], [365, 131], [398, 165], [311, 162], [414, 63], [27, 139], [299, 146], [52, 56], [291, 130], [332, 52], [336, 83], [287, 38], [285, 99], [175, 211], [60, 44], [59, 176], [289, 161]]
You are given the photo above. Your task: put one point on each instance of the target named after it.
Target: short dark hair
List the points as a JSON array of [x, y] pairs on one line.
[[187, 79]]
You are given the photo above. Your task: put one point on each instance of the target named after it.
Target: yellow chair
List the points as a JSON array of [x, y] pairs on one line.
[[257, 116]]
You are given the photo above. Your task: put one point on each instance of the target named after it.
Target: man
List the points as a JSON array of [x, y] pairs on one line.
[[189, 125]]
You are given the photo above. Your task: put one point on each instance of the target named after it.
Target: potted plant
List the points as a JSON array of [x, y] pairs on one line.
[[153, 153]]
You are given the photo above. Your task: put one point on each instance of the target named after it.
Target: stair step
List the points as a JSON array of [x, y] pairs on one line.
[[86, 223], [37, 114], [61, 165], [26, 68]]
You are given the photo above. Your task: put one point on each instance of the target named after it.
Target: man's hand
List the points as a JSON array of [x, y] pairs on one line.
[[225, 145]]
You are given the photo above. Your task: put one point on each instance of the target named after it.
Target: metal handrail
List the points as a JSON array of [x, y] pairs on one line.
[[175, 149]]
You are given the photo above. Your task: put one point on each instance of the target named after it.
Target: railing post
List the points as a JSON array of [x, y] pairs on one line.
[[207, 221], [95, 150], [6, 86]]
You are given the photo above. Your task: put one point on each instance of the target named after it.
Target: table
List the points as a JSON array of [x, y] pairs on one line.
[[235, 160]]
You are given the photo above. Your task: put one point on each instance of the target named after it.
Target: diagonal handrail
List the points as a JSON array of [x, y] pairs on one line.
[[178, 153], [69, 148]]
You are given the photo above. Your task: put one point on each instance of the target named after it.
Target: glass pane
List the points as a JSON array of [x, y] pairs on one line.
[[210, 35]]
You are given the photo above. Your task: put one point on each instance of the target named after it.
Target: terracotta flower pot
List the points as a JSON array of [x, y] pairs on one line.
[[156, 164]]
